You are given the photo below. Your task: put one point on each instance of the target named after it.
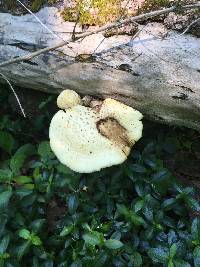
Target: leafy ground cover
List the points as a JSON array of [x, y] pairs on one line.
[[141, 213]]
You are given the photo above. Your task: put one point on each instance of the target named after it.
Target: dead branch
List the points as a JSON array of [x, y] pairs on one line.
[[190, 26], [112, 25], [15, 94]]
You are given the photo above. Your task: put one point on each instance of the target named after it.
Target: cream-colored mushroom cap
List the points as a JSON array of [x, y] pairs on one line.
[[87, 140], [67, 99], [127, 117]]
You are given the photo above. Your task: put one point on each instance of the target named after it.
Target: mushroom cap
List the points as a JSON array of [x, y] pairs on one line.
[[87, 140], [128, 117], [68, 99]]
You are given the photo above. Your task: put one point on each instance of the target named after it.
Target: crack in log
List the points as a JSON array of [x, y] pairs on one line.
[[117, 95], [185, 88], [181, 96], [26, 46], [126, 67], [30, 62], [122, 67]]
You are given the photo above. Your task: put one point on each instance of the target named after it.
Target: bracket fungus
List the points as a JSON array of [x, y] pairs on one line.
[[89, 138]]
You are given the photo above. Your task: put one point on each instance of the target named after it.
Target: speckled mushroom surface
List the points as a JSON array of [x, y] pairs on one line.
[[88, 139]]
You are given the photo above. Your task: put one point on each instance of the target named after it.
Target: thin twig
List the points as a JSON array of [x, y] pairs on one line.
[[98, 45], [115, 24], [74, 29], [118, 19], [17, 98], [140, 29], [122, 15], [43, 25], [189, 26]]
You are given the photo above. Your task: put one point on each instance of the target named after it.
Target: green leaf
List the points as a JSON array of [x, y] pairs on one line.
[[160, 175], [137, 259], [35, 262], [168, 203], [195, 229], [29, 186], [17, 161], [36, 240], [23, 192], [25, 234], [170, 263], [122, 209], [5, 175], [4, 256], [44, 150], [6, 141], [172, 250], [76, 263], [72, 204], [4, 198], [93, 238], [46, 101], [64, 169], [196, 256], [138, 168], [113, 244], [136, 219], [100, 260], [23, 249], [23, 180], [192, 203], [159, 254], [86, 226], [139, 205], [67, 230], [3, 221], [139, 188], [130, 215], [181, 263], [36, 225], [4, 244]]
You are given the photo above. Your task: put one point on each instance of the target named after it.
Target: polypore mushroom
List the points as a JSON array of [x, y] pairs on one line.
[[67, 99], [88, 139]]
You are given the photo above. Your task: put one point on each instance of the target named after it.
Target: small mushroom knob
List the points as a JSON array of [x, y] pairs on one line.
[[68, 99]]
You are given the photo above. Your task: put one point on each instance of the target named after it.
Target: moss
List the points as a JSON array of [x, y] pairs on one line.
[[100, 12], [91, 12], [150, 5], [37, 4], [70, 14], [106, 11], [51, 2], [10, 4], [14, 7]]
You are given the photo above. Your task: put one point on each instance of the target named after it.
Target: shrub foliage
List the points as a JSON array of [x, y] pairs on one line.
[[135, 214]]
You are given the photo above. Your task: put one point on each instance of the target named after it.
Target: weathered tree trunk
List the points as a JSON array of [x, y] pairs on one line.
[[156, 74]]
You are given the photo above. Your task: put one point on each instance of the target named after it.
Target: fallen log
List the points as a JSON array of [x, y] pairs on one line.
[[157, 72]]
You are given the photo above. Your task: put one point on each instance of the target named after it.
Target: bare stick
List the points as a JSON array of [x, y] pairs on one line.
[[17, 98], [115, 24], [189, 26], [42, 24], [140, 29]]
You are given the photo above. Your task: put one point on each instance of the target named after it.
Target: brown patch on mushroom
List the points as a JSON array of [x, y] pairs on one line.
[[115, 132]]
